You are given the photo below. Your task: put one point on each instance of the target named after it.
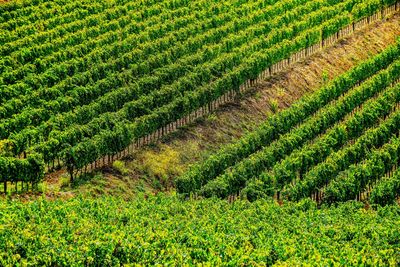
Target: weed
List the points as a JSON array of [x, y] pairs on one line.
[[212, 118], [120, 167], [325, 77], [274, 104], [258, 95], [280, 92]]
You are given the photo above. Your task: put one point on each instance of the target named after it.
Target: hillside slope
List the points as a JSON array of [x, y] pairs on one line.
[[153, 166]]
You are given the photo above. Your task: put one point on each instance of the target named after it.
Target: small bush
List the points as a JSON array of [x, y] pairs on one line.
[[325, 77], [120, 167], [64, 181], [274, 104]]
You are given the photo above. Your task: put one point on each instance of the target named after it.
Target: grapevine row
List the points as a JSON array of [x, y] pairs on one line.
[[300, 161], [282, 122], [354, 180], [29, 120], [323, 173], [233, 180], [128, 93], [154, 121], [387, 189], [309, 181]]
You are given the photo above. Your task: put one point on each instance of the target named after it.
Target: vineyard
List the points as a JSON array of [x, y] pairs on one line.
[[163, 230], [200, 133], [340, 143], [76, 93]]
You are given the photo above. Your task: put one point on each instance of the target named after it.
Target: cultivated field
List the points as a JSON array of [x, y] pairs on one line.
[[176, 132], [332, 145]]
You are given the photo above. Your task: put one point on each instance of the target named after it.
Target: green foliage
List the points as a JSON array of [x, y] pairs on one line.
[[294, 149], [274, 105], [30, 169], [352, 181], [83, 79], [120, 167], [325, 77], [387, 189], [164, 230]]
